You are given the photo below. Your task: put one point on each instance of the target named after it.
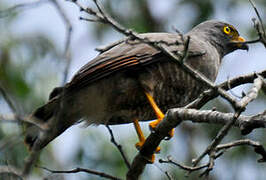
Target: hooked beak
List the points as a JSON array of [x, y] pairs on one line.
[[239, 43]]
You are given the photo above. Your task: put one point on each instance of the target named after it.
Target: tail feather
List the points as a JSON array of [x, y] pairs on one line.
[[50, 120], [40, 117], [44, 113]]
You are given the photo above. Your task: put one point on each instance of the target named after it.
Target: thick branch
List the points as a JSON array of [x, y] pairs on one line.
[[244, 123], [173, 118], [171, 121]]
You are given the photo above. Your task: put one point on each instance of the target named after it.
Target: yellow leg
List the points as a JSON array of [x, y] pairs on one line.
[[142, 139], [158, 113], [140, 134]]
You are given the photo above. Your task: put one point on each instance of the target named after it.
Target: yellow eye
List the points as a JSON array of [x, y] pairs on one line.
[[227, 30]]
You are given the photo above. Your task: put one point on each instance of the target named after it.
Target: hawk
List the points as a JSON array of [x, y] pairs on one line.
[[133, 81]]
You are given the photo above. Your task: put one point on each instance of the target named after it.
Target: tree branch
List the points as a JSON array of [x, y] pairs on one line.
[[184, 167], [119, 147], [252, 94], [258, 148], [171, 121], [8, 100], [210, 94], [29, 161], [89, 171], [11, 171], [69, 28], [259, 26]]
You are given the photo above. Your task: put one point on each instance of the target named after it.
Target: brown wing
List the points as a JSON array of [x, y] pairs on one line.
[[121, 57]]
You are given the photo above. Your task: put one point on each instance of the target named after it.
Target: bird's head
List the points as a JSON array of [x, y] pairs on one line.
[[222, 35]]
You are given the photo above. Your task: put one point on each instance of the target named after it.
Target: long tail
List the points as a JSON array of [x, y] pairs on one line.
[[41, 132]]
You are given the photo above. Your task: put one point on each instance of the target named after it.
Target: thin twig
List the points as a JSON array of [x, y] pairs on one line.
[[29, 161], [77, 170], [258, 14], [257, 147], [259, 26], [13, 118], [210, 94], [252, 41], [119, 147], [184, 167], [252, 94], [210, 165], [8, 100], [67, 54], [106, 48], [13, 172], [168, 175]]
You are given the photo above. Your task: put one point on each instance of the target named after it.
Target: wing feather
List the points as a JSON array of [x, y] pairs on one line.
[[121, 57]]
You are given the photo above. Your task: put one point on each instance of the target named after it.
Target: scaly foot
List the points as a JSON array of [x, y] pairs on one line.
[[142, 140]]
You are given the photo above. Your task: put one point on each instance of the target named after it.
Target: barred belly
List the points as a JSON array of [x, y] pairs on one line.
[[169, 85]]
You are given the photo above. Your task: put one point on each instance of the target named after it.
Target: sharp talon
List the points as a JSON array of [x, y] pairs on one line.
[[158, 149], [170, 134], [139, 145], [152, 159], [153, 125]]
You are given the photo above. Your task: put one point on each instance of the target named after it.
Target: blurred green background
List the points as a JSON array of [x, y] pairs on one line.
[[32, 63]]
